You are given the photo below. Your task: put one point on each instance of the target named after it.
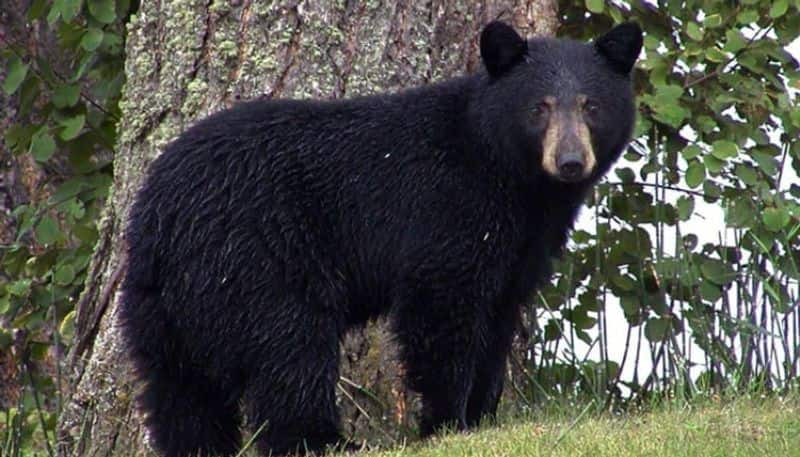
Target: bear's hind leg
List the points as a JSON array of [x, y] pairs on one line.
[[187, 417], [291, 397], [490, 369]]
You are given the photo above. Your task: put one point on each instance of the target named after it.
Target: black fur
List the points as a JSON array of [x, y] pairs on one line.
[[501, 47], [265, 232], [621, 45]]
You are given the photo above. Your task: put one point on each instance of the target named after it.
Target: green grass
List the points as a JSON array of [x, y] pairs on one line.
[[743, 427]]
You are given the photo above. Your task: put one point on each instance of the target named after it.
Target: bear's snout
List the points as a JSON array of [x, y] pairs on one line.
[[570, 166], [568, 154]]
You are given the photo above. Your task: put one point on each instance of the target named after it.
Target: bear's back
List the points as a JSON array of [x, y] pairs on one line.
[[353, 180]]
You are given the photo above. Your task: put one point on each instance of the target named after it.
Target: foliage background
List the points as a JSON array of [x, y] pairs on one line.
[[709, 305], [696, 235]]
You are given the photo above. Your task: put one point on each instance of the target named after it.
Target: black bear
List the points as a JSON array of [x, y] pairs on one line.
[[265, 232]]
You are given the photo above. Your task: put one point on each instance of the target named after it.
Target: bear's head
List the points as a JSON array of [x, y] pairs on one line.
[[562, 109]]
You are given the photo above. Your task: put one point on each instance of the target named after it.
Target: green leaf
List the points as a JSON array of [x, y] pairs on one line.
[[631, 307], [651, 42], [66, 95], [67, 326], [5, 336], [778, 8], [747, 16], [658, 69], [581, 236], [740, 213], [67, 189], [711, 190], [685, 207], [717, 271], [713, 164], [102, 10], [691, 151], [694, 31], [794, 115], [669, 91], [25, 214], [780, 298], [580, 318], [612, 369], [626, 175], [734, 41], [552, 331], [88, 235], [69, 9], [595, 6], [91, 39], [667, 104], [590, 302], [775, 219], [672, 114], [583, 336], [55, 12], [706, 123], [765, 161], [38, 350], [715, 54], [624, 282], [713, 20], [746, 174], [15, 75], [43, 146], [724, 149], [18, 137], [657, 329], [47, 231], [616, 15], [64, 275], [85, 61], [113, 41], [73, 207], [19, 288], [37, 9], [29, 93], [72, 127], [695, 174], [710, 291]]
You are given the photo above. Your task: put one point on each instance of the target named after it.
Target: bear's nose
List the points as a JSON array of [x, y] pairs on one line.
[[570, 166]]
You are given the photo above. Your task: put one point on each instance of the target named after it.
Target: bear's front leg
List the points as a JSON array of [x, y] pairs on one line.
[[438, 335]]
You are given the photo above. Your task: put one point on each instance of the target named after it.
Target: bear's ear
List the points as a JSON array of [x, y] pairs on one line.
[[501, 47], [621, 46]]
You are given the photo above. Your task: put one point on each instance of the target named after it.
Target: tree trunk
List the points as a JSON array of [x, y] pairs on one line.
[[188, 59]]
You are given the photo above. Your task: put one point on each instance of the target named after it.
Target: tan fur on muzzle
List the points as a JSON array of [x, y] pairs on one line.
[[567, 131]]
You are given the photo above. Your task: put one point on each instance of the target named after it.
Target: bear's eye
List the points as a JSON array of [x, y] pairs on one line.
[[590, 107], [540, 109]]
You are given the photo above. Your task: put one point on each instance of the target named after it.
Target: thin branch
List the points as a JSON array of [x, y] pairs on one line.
[[661, 186]]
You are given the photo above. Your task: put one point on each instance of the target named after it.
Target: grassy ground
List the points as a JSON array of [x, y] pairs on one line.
[[758, 427], [745, 427]]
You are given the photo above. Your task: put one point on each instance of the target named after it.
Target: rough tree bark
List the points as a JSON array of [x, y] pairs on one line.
[[189, 58]]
